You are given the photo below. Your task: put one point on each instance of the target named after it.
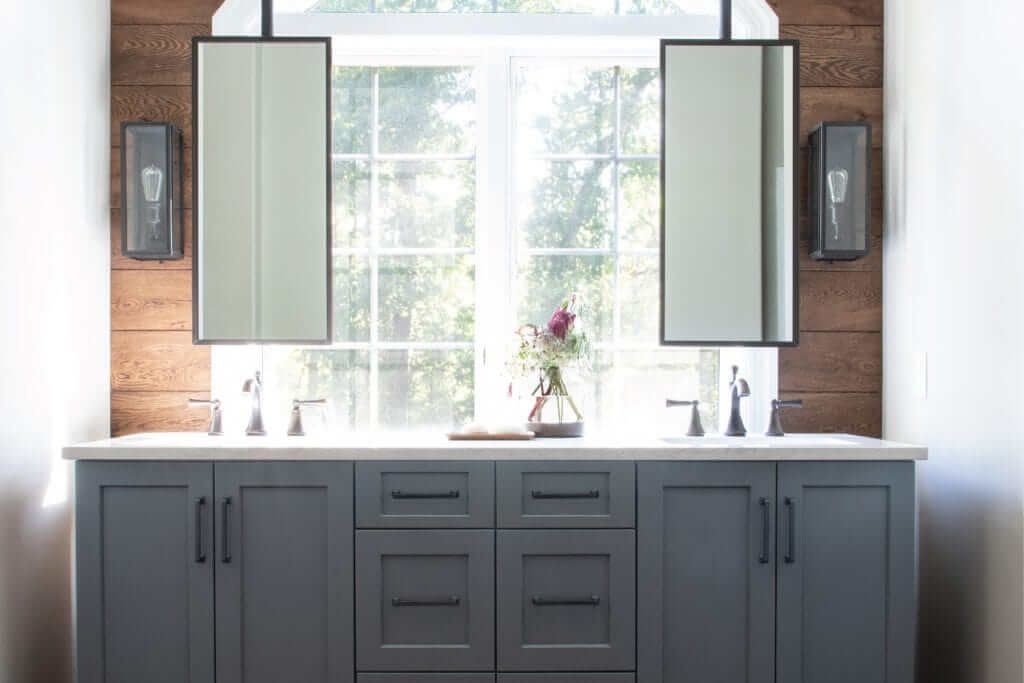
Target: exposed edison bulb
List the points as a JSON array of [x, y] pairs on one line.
[[152, 183], [838, 179]]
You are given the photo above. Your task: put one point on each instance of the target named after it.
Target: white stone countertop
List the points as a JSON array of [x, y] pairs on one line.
[[434, 446]]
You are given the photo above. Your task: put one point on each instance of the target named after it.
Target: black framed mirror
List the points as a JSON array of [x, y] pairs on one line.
[[729, 193]]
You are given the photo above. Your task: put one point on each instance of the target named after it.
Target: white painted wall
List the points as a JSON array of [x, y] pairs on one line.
[[954, 303], [54, 309]]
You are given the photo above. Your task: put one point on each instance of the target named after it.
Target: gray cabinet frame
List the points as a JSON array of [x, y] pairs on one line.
[[121, 566], [718, 564], [304, 505], [424, 511], [847, 572], [562, 510]]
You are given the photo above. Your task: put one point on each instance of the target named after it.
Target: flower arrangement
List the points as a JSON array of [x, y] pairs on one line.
[[545, 351]]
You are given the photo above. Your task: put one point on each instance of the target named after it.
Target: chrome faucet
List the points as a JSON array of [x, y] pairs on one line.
[[255, 387], [738, 388]]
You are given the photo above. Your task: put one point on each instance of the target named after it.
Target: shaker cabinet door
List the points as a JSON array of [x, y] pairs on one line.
[[847, 537], [706, 577], [284, 572], [144, 565]]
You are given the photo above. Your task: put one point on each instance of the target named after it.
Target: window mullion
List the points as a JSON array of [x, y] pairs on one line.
[[616, 216], [374, 245]]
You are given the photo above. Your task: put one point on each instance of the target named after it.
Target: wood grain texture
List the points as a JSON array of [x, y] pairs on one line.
[[838, 56], [819, 104], [829, 12], [837, 301], [158, 361], [162, 11], [120, 262], [115, 177], [171, 103], [833, 362], [835, 413], [133, 412], [150, 300], [153, 55]]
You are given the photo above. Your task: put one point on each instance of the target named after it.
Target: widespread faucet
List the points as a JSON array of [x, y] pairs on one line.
[[255, 387], [738, 388]]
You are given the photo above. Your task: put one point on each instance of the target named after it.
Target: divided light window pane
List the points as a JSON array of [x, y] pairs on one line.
[[605, 7], [586, 216], [404, 185]]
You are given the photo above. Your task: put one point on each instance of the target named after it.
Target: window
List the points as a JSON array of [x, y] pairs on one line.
[[480, 174]]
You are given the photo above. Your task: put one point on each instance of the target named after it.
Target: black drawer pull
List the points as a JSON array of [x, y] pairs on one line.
[[790, 557], [765, 527], [200, 543], [543, 601], [550, 495], [225, 531], [450, 601], [423, 495]]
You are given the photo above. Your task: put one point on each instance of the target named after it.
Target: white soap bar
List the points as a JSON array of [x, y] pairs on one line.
[[475, 428], [509, 428]]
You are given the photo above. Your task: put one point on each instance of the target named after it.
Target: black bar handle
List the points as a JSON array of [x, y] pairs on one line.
[[225, 538], [449, 601], [427, 495], [791, 523], [549, 495], [765, 524], [543, 601], [200, 542]]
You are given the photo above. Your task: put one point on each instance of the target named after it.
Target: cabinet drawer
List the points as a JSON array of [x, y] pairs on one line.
[[565, 494], [429, 678], [425, 600], [566, 600], [417, 495], [566, 678]]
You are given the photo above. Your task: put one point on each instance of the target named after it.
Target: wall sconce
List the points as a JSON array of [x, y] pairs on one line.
[[839, 187], [152, 179]]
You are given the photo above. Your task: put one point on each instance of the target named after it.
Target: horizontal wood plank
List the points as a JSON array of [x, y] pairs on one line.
[[121, 262], [158, 361], [153, 55], [838, 56], [134, 412], [841, 104], [834, 413], [835, 301], [115, 178], [171, 103], [151, 300], [873, 261], [833, 362], [829, 12], [163, 11]]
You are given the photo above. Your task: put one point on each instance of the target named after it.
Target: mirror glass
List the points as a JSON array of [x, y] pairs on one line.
[[262, 237], [729, 183]]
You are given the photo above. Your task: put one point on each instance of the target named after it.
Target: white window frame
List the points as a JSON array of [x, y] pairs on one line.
[[491, 43]]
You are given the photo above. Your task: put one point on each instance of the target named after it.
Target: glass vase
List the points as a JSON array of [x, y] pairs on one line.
[[553, 412]]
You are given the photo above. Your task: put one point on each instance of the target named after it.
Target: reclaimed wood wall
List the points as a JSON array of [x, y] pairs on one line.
[[837, 369]]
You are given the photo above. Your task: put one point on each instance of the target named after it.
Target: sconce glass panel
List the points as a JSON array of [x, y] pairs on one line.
[[151, 191], [840, 191]]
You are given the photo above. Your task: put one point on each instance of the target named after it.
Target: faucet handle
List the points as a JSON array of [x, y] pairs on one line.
[[775, 423], [696, 428], [216, 423], [295, 421]]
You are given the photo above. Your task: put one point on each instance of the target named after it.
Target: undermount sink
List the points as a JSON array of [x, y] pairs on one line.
[[757, 441]]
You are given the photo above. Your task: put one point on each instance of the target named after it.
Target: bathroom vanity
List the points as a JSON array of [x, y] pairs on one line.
[[410, 559]]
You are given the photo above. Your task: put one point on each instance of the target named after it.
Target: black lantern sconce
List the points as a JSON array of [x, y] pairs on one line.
[[152, 178], [839, 187]]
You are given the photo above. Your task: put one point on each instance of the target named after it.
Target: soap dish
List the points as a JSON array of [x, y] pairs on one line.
[[491, 436]]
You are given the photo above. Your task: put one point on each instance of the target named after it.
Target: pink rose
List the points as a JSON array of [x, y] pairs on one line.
[[561, 322]]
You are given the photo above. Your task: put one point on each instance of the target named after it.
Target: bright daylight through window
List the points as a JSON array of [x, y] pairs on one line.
[[475, 184]]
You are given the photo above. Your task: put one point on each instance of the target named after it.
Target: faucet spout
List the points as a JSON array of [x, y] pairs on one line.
[[738, 388], [254, 386]]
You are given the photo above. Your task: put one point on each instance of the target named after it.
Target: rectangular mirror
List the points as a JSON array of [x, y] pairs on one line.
[[729, 221], [262, 239]]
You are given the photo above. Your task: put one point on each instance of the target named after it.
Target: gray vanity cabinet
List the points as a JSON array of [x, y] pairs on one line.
[[847, 589], [143, 542], [284, 572], [706, 576]]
